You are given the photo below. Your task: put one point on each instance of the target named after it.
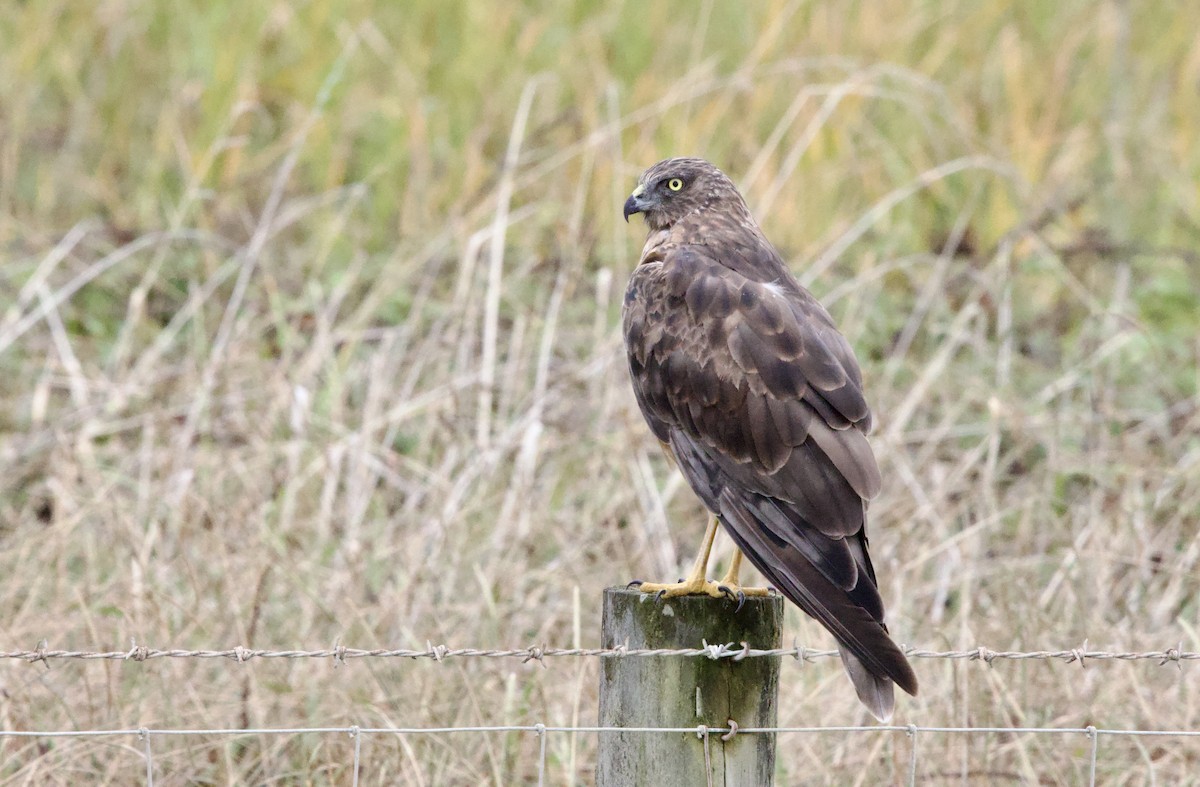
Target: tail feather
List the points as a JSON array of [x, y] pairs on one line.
[[864, 642], [873, 691]]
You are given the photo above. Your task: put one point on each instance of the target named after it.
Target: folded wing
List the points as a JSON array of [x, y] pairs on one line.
[[760, 400]]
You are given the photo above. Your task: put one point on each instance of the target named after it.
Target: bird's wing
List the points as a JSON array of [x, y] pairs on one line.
[[755, 372], [761, 401]]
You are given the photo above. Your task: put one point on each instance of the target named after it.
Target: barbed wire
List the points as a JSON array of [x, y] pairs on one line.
[[541, 728], [736, 651]]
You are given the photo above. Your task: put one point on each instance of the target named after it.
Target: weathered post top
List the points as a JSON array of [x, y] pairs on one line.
[[687, 691]]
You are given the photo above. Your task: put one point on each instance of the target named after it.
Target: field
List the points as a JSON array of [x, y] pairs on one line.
[[309, 335]]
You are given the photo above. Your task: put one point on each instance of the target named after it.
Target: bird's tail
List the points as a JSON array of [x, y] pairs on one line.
[[874, 691], [874, 662]]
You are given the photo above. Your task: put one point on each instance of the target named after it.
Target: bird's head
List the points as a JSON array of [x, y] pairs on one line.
[[676, 187]]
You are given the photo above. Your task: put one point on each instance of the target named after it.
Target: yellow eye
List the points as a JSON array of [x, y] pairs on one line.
[[674, 184]]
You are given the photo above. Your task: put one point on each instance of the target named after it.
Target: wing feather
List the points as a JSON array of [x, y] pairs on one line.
[[756, 371]]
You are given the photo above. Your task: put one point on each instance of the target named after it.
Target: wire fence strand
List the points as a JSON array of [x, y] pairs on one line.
[[737, 651], [912, 755], [143, 733]]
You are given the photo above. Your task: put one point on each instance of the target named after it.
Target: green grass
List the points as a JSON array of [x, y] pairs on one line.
[[265, 378]]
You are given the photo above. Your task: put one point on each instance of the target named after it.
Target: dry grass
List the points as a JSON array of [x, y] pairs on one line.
[[308, 334]]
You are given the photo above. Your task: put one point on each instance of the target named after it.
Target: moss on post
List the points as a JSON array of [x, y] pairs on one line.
[[687, 691]]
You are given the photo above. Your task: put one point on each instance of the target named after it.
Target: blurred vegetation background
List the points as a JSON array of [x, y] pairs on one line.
[[308, 333]]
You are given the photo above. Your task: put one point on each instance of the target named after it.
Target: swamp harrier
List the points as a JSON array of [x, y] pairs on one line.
[[743, 377]]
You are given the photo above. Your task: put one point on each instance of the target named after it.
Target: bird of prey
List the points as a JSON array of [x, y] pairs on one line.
[[744, 378]]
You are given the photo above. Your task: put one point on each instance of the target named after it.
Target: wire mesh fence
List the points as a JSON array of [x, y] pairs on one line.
[[141, 739]]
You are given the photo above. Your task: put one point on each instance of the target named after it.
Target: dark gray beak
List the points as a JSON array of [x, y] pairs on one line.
[[637, 203], [631, 207]]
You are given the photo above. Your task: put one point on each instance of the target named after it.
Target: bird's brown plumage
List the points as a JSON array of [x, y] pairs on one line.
[[743, 374]]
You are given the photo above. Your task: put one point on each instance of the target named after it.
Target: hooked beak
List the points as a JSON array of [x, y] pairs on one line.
[[636, 202]]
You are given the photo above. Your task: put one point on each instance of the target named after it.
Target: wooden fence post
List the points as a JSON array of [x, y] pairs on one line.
[[686, 691]]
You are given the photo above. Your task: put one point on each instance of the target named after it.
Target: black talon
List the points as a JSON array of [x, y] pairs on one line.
[[659, 595], [740, 597], [635, 583]]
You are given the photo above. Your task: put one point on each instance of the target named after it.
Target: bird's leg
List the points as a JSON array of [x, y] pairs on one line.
[[728, 584], [695, 583]]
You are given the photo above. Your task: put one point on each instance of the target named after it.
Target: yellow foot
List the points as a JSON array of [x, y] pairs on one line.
[[693, 586], [697, 585]]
